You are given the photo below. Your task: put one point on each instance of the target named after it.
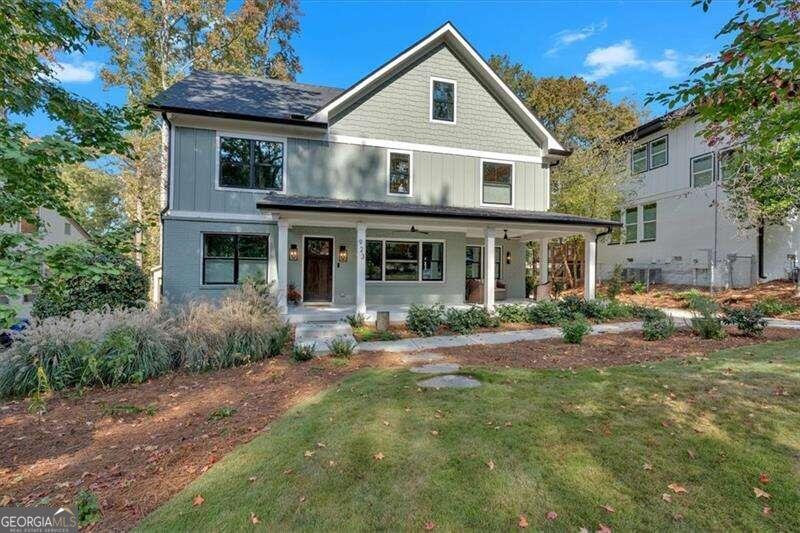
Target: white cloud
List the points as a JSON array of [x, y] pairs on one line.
[[565, 38], [75, 71], [607, 61]]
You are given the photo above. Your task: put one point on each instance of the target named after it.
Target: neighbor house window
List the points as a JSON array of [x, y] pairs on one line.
[[474, 262], [374, 260], [443, 100], [497, 182], [702, 168], [432, 261], [400, 173], [67, 228], [631, 224], [231, 258], [405, 260], [639, 159], [727, 163], [251, 164], [616, 231], [658, 152], [649, 222]]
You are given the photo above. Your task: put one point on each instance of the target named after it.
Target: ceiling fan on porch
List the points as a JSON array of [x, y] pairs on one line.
[[415, 230]]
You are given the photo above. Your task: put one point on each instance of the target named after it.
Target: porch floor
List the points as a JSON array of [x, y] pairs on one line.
[[297, 314]]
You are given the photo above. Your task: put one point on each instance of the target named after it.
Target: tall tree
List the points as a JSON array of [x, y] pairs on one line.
[[32, 32], [749, 95], [591, 182], [95, 198], [155, 44]]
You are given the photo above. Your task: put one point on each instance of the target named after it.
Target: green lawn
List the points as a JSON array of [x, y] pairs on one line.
[[568, 442]]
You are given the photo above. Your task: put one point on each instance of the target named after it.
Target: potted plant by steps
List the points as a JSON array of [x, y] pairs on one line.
[[293, 296]]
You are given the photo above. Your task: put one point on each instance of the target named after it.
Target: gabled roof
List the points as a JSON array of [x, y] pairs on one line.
[[657, 124], [231, 96], [449, 35]]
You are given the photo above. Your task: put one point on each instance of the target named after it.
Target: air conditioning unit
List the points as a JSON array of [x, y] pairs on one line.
[[647, 276]]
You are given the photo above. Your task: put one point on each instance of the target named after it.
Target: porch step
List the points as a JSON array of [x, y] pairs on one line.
[[319, 334]]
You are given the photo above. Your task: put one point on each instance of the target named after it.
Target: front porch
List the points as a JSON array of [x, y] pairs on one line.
[[335, 258]]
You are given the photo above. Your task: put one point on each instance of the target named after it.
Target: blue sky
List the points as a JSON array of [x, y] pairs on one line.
[[634, 47]]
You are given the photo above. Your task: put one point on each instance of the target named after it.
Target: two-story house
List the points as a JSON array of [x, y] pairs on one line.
[[427, 173], [675, 226]]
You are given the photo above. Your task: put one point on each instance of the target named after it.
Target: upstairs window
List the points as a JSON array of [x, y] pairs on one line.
[[631, 224], [649, 222], [443, 100], [702, 168], [639, 159], [727, 163], [67, 228], [658, 152], [255, 164], [400, 173], [497, 183]]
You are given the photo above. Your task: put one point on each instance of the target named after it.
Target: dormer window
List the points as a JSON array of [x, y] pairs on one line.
[[443, 101]]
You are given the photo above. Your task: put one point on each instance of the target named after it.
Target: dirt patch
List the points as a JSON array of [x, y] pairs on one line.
[[602, 350]]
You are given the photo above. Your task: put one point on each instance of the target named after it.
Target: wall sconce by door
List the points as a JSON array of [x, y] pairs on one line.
[[508, 257], [294, 253], [343, 255]]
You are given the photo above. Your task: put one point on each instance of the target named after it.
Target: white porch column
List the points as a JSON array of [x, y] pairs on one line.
[[488, 282], [544, 259], [590, 258], [283, 263], [361, 268]]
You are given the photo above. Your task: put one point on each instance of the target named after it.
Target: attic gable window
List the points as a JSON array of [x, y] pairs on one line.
[[251, 163], [443, 101]]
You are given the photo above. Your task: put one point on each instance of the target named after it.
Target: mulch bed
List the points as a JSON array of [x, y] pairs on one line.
[[135, 462]]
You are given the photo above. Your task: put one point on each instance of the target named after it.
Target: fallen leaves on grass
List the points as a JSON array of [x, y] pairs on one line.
[[523, 521], [490, 464], [602, 528], [378, 456], [607, 508], [763, 478], [647, 466], [251, 479], [551, 515], [254, 518], [386, 423], [308, 453], [666, 497], [691, 454], [198, 500], [761, 493], [429, 525], [434, 432], [767, 510], [676, 488]]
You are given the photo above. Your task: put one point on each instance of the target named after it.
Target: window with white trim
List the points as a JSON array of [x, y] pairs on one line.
[[400, 173], [474, 263], [649, 212], [702, 170], [497, 182], [658, 149], [443, 100], [250, 163], [498, 256], [397, 260], [727, 163], [650, 155], [631, 224], [229, 259]]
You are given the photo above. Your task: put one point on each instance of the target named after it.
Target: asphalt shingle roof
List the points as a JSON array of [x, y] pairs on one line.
[[312, 203], [221, 94]]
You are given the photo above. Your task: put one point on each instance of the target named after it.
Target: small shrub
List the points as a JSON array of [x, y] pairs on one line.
[[616, 309], [221, 413], [464, 321], [303, 352], [690, 298], [514, 313], [597, 309], [638, 287], [425, 320], [279, 339], [750, 322], [357, 320], [88, 508], [614, 284], [772, 306], [341, 346], [573, 330], [657, 326], [642, 312], [571, 305], [708, 325], [545, 312]]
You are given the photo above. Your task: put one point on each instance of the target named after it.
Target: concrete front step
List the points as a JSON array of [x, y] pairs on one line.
[[319, 334]]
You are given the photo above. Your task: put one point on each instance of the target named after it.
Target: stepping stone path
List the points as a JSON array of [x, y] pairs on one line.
[[444, 381]]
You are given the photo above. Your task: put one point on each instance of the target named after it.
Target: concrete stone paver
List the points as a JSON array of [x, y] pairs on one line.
[[421, 357], [450, 381], [436, 368]]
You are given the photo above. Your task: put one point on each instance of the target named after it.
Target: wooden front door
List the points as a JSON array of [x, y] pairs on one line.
[[318, 269]]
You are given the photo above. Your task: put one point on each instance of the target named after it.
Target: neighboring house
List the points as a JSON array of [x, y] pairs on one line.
[[424, 175], [56, 229], [675, 228]]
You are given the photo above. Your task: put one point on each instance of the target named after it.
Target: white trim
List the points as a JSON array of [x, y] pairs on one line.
[[223, 217], [255, 137], [513, 183], [410, 155], [334, 259], [454, 83], [171, 169], [446, 30], [239, 233], [418, 147], [419, 279]]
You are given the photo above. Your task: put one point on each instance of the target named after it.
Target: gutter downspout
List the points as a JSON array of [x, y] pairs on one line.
[[760, 243], [166, 196], [596, 249]]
